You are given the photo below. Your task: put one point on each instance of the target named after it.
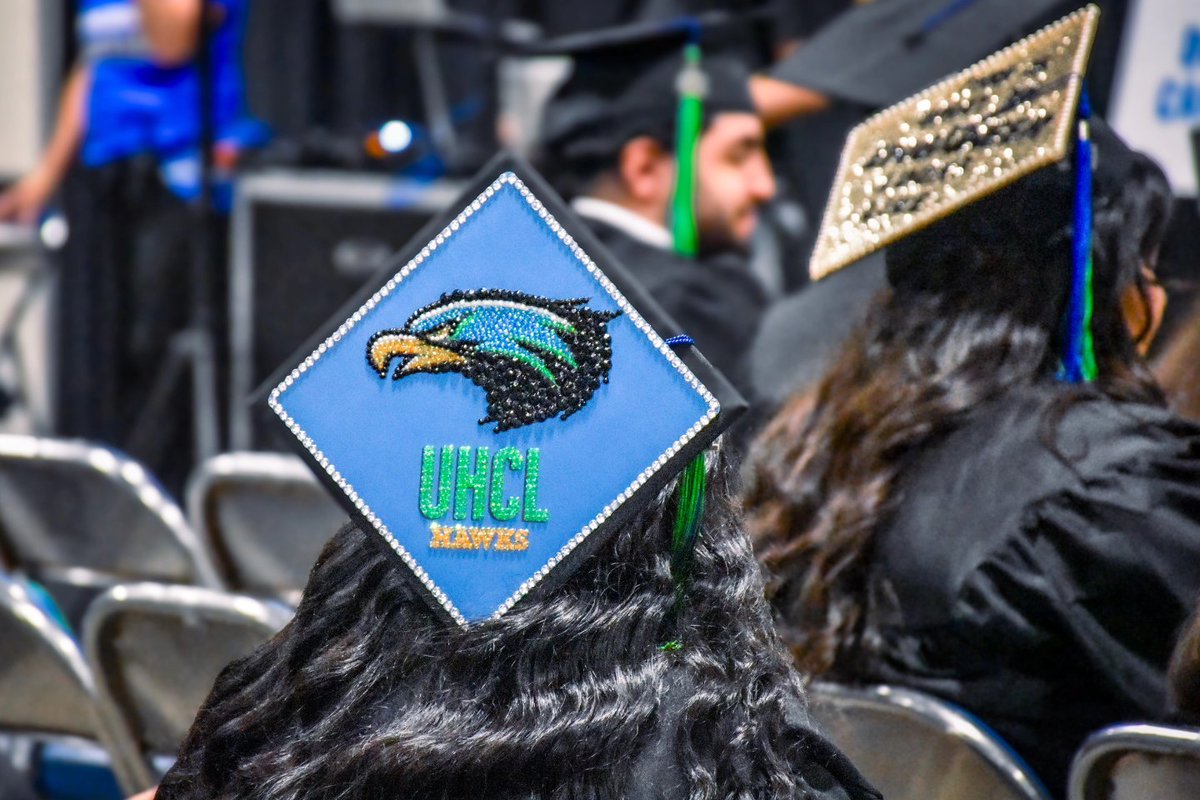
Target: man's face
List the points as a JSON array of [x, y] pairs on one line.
[[734, 179]]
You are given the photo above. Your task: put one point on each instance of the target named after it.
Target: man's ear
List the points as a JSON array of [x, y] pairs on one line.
[[647, 170]]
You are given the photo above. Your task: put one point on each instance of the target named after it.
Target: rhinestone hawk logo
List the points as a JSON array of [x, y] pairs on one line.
[[534, 357]]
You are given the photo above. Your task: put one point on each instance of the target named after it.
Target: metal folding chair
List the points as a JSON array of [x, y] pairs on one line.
[[156, 650], [76, 509], [265, 519], [1137, 762], [47, 691], [912, 746], [79, 517]]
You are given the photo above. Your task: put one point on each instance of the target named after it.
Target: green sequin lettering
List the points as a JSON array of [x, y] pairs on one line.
[[533, 462], [504, 510], [435, 503], [471, 487]]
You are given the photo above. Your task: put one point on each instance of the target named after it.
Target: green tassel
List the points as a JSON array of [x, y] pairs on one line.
[[1090, 370], [690, 120], [692, 489], [690, 496]]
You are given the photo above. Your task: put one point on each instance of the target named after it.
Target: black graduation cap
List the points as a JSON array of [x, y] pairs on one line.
[[879, 53], [499, 400], [627, 80], [1000, 122], [975, 132]]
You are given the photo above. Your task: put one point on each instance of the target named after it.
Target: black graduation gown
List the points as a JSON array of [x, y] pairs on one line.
[[1043, 596], [716, 301]]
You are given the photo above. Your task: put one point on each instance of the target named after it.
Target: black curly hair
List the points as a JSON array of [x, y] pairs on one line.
[[367, 693]]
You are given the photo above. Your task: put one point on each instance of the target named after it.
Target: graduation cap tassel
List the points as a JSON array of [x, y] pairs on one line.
[[1079, 358], [689, 122], [692, 490], [691, 494]]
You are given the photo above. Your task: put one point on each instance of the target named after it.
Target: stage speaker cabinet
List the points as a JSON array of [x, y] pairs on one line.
[[303, 243]]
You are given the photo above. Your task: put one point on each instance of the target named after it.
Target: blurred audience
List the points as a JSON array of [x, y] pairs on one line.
[[942, 512], [127, 138]]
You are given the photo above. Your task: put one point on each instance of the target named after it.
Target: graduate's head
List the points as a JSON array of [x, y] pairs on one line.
[[998, 195], [611, 131], [735, 179], [543, 547], [1009, 256]]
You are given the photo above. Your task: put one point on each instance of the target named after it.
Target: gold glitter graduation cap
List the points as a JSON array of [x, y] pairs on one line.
[[944, 148]]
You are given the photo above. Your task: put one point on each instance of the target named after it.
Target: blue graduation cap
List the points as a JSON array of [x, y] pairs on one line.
[[499, 399]]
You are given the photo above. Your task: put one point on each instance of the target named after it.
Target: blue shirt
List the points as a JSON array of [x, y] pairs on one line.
[[135, 106]]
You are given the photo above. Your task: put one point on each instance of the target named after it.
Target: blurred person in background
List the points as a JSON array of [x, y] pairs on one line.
[[126, 148], [944, 512], [1178, 367], [609, 145]]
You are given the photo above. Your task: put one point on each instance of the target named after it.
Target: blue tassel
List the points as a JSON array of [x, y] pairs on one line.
[[1079, 356]]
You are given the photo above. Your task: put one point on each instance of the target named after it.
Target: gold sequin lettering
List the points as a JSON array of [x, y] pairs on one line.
[[462, 537]]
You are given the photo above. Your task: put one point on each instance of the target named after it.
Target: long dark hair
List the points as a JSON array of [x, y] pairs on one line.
[[975, 310], [368, 694]]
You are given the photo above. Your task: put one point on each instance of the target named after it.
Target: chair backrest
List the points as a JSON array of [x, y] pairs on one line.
[[265, 518], [412, 12], [911, 745], [47, 690], [1132, 762], [156, 650], [45, 684], [77, 512]]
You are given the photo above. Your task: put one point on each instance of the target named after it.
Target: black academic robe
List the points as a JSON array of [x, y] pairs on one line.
[[716, 301], [1042, 590]]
